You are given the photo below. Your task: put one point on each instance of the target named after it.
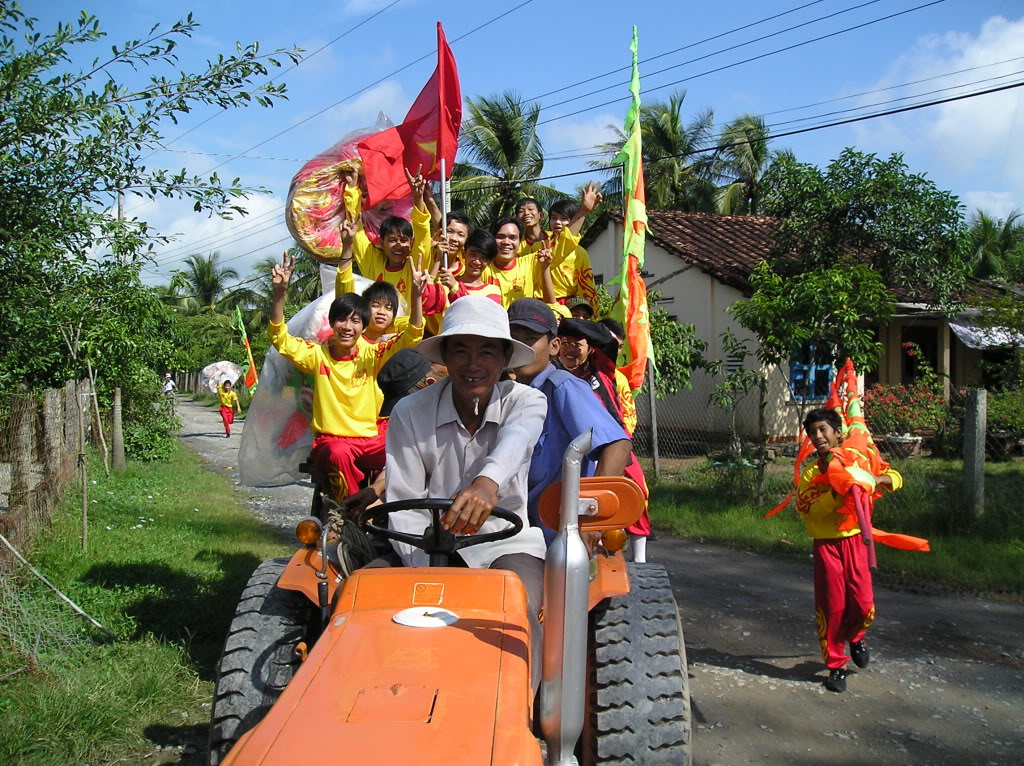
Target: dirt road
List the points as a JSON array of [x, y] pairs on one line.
[[945, 684]]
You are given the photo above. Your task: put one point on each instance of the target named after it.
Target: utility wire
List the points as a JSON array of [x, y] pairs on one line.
[[649, 161], [720, 51], [677, 50], [744, 61], [365, 88], [304, 59]]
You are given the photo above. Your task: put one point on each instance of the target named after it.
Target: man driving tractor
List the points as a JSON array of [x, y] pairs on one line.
[[471, 438]]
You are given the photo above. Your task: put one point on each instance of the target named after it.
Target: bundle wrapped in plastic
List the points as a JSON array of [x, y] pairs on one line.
[[212, 375], [277, 436], [316, 207]]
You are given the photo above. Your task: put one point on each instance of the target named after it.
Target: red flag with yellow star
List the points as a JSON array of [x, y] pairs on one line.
[[429, 133]]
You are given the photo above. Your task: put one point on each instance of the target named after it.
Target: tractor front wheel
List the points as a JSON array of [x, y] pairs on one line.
[[259, 655], [638, 691]]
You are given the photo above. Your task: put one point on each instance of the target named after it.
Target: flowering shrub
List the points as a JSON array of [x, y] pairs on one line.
[[892, 409]]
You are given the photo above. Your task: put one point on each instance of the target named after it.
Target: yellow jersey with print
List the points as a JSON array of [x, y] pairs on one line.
[[346, 398], [626, 402], [571, 271], [371, 261], [818, 505], [227, 398]]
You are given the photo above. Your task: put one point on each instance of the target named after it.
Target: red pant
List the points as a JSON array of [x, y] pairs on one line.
[[844, 602], [347, 459], [641, 526], [227, 414]]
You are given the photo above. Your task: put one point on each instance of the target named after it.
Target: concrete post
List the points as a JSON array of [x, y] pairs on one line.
[[53, 433], [654, 419], [22, 419], [975, 418], [71, 410], [117, 437]]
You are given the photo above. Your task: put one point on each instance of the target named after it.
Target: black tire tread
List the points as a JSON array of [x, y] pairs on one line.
[[259, 658], [639, 711]]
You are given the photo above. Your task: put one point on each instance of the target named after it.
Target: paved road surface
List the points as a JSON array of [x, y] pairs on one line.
[[945, 686]]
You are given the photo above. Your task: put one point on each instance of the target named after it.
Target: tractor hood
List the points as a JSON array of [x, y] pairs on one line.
[[415, 666]]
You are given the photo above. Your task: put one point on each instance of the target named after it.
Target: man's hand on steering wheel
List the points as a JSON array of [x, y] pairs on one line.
[[471, 507]]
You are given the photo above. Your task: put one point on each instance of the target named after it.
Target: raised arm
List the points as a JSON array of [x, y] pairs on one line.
[[590, 199], [547, 286], [280, 276]]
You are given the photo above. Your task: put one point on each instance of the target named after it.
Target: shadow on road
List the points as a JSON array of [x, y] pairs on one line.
[[752, 663]]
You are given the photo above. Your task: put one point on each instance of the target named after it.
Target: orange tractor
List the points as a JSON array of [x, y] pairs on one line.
[[432, 665]]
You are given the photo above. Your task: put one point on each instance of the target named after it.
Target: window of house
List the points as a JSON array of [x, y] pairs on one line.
[[809, 379]]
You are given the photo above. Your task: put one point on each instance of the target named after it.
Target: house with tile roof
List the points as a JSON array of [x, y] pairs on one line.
[[701, 263]]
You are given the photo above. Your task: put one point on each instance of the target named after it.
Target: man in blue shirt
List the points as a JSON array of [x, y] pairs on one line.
[[572, 408]]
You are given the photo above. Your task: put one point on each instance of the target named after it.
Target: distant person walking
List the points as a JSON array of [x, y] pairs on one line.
[[228, 405]]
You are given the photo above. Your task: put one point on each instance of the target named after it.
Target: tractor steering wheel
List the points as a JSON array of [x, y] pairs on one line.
[[436, 541]]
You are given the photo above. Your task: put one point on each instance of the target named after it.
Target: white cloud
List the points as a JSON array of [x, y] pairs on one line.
[[362, 111], [996, 203], [563, 136], [241, 241], [974, 142]]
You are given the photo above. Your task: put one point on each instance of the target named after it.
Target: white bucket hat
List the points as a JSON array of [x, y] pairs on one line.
[[476, 315]]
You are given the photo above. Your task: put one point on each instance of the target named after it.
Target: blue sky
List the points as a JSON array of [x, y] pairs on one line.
[[972, 147]]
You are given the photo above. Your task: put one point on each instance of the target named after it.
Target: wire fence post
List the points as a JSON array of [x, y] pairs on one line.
[[83, 409], [22, 412], [654, 419], [117, 428], [975, 417]]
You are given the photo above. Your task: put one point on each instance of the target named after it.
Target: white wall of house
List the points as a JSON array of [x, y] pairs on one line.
[[696, 298]]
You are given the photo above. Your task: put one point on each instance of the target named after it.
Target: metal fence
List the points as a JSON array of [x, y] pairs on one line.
[[680, 439], [41, 438]]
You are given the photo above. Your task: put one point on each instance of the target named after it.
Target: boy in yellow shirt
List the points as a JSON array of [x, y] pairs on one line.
[[574, 274], [844, 600], [400, 243], [228, 405], [348, 442]]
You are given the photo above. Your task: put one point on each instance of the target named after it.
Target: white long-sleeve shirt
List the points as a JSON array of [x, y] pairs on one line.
[[431, 454]]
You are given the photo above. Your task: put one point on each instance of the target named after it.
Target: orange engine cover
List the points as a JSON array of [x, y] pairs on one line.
[[375, 691]]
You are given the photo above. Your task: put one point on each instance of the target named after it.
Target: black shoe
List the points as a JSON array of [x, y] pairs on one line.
[[860, 654], [836, 681]]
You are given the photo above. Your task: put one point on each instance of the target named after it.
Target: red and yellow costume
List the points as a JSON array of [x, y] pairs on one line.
[[228, 400], [349, 440], [835, 497], [571, 274]]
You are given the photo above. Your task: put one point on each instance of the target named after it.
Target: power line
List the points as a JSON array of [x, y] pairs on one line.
[[581, 152], [772, 137], [721, 50], [649, 161], [500, 16], [304, 59], [677, 50], [745, 61]]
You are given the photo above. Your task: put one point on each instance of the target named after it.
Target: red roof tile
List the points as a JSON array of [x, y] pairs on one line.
[[728, 247]]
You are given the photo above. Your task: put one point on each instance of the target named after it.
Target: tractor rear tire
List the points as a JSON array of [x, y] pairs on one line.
[[638, 691], [259, 657]]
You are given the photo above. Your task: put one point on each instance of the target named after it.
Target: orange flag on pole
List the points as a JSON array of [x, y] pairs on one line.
[[429, 133], [630, 307]]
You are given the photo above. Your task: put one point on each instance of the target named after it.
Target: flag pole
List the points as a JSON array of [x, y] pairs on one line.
[[444, 210]]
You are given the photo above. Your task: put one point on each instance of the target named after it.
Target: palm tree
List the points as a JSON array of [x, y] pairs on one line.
[[743, 157], [679, 168], [205, 284], [501, 154], [997, 245]]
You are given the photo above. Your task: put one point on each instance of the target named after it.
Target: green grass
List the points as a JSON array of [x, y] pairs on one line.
[[171, 546], [700, 501]]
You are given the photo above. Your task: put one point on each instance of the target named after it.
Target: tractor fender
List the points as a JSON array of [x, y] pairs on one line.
[[610, 580], [300, 574]]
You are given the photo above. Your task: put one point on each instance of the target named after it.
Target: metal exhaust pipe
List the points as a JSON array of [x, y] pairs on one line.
[[566, 586]]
